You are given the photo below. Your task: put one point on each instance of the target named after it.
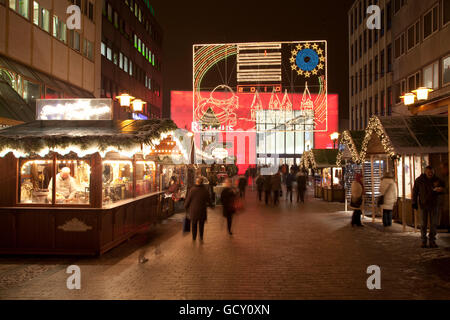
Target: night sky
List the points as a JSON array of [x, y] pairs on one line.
[[196, 22]]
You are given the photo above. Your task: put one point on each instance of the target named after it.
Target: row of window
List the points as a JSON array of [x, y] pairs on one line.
[[86, 7], [372, 71], [41, 17], [409, 39], [119, 23], [378, 105], [428, 77], [127, 65], [357, 16], [366, 40]]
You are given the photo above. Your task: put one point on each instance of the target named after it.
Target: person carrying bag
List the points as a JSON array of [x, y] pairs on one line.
[[388, 198]]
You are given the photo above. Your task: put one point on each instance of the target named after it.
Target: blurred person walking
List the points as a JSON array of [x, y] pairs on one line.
[[267, 189], [356, 203], [196, 205], [243, 181], [276, 187], [260, 186], [290, 179], [301, 186], [228, 198]]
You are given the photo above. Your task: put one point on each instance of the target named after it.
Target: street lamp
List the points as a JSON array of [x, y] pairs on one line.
[[422, 93], [125, 100], [409, 99], [334, 137], [138, 105]]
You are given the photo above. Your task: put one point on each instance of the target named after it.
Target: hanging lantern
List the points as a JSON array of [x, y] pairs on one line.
[[409, 99], [138, 105], [125, 100], [422, 93]]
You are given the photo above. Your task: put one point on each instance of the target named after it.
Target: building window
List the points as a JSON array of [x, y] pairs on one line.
[[360, 46], [382, 24], [131, 68], [365, 76], [91, 11], [370, 39], [431, 76], [414, 82], [352, 55], [376, 104], [370, 107], [389, 101], [389, 16], [353, 86], [446, 71], [59, 29], [116, 20], [413, 35], [88, 49], [430, 22], [400, 45], [109, 53], [365, 41], [125, 64], [74, 40], [382, 63], [20, 6], [445, 12], [370, 72], [360, 80], [121, 60], [383, 104], [116, 58], [398, 4]]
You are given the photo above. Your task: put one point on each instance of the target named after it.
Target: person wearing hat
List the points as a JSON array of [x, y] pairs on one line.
[[65, 185]]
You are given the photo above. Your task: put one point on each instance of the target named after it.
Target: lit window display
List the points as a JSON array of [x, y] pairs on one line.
[[117, 180], [72, 182], [145, 177], [34, 179]]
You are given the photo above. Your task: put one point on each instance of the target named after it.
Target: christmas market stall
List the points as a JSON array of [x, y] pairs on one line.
[[81, 187], [403, 146], [328, 179], [349, 160]]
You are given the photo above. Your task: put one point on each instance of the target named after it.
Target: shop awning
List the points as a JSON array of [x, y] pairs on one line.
[[406, 135], [83, 137]]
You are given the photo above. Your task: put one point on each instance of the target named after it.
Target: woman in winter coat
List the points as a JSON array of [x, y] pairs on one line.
[[357, 200], [388, 189]]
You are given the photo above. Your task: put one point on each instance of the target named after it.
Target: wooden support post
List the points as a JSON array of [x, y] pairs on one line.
[[373, 188], [403, 195]]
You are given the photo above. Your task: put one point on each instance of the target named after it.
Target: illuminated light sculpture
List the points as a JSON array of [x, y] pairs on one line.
[[408, 99], [422, 93], [74, 109]]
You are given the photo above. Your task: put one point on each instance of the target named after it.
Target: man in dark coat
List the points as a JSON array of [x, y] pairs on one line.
[[301, 186], [196, 205], [267, 188], [242, 186], [228, 197], [290, 178], [260, 186], [276, 187], [426, 192]]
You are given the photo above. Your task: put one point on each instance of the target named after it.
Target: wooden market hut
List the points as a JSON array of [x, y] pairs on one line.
[[327, 175], [349, 159], [403, 146], [115, 183]]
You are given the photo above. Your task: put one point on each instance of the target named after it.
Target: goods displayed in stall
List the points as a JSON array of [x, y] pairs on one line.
[[403, 146], [102, 179], [328, 178]]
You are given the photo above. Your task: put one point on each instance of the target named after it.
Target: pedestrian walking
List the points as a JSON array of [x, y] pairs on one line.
[[228, 198], [301, 186], [267, 189], [388, 198], [242, 186], [276, 187], [196, 205], [357, 200], [290, 179], [260, 186], [426, 192]]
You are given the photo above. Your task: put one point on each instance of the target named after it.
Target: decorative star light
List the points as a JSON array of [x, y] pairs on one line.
[[308, 59]]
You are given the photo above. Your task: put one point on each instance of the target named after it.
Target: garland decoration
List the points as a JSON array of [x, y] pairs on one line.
[[375, 126]]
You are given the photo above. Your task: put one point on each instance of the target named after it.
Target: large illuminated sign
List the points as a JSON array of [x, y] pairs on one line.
[[235, 85], [74, 109]]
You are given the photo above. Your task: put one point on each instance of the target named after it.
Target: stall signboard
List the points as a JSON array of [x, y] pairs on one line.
[[74, 109]]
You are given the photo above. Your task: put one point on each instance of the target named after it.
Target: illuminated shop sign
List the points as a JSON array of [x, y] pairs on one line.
[[74, 109]]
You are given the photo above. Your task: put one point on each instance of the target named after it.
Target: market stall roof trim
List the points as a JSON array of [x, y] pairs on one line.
[[84, 137], [351, 142], [408, 135], [319, 158]]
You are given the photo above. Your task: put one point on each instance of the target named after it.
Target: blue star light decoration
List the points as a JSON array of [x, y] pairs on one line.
[[307, 59]]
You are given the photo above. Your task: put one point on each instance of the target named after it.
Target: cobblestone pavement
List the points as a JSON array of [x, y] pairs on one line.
[[306, 251]]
